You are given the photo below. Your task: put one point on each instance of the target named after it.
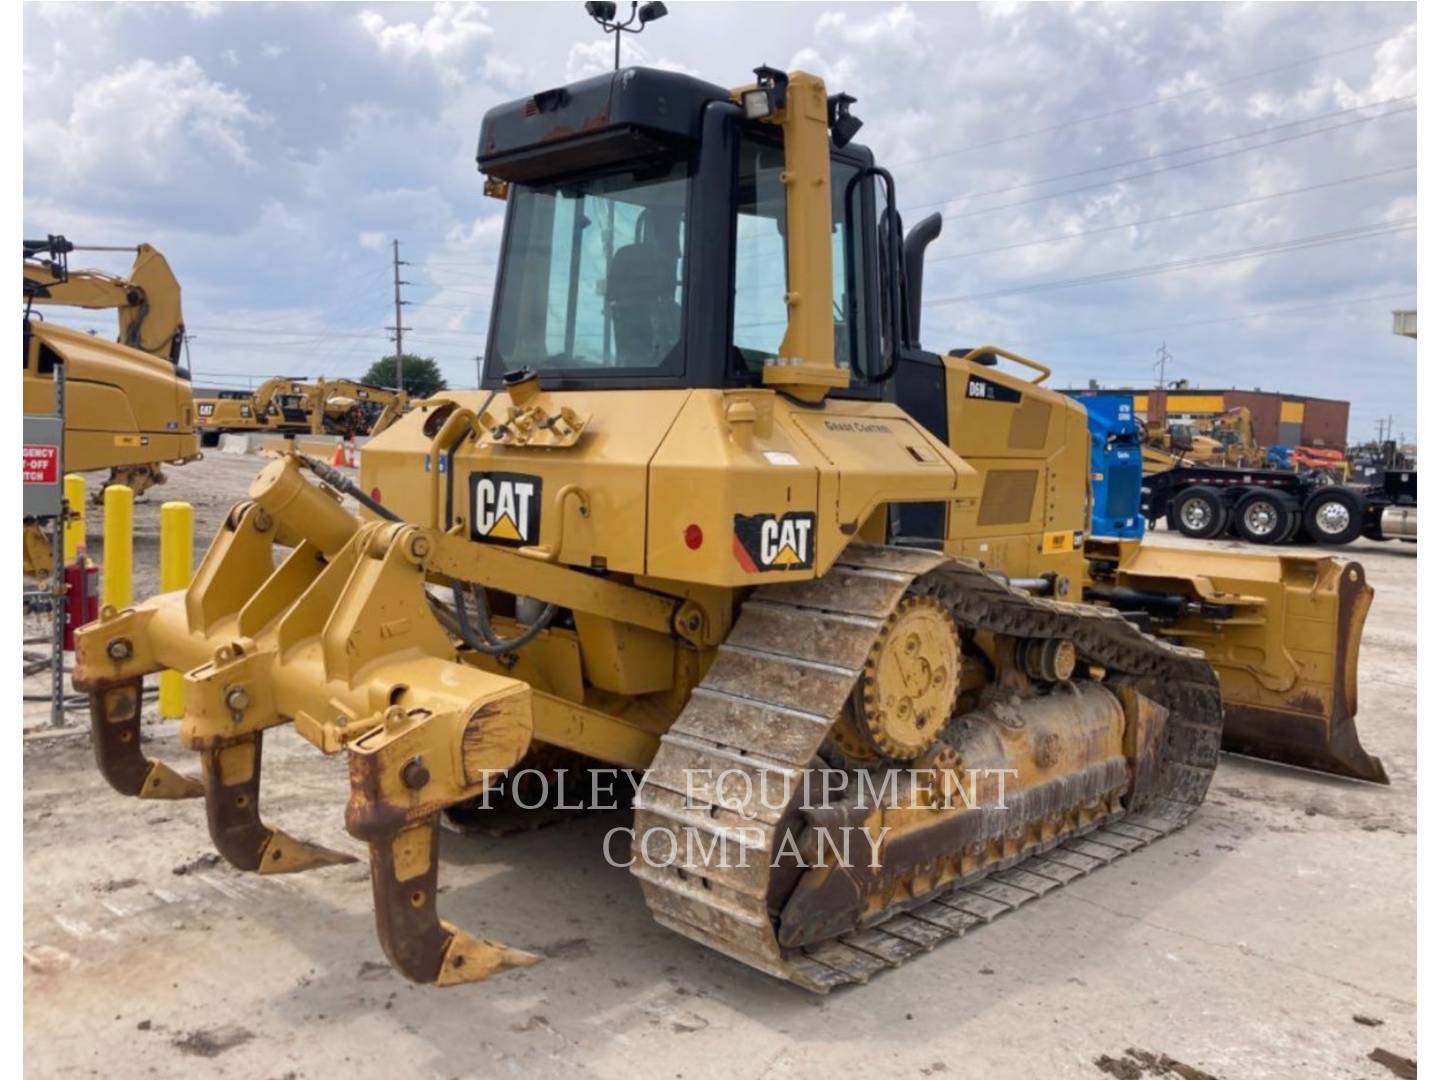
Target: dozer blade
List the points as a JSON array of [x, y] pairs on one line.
[[340, 639], [1283, 632]]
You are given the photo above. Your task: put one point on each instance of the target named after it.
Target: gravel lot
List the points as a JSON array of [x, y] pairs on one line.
[[1274, 937]]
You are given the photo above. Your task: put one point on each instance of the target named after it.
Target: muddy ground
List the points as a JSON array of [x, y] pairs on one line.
[[1272, 938]]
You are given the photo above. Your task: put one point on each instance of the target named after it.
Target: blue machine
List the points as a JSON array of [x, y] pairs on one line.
[[1279, 457], [1116, 464]]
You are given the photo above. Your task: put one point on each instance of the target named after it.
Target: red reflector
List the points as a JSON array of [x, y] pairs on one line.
[[693, 537], [375, 494]]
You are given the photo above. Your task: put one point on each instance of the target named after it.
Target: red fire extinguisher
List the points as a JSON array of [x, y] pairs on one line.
[[82, 597]]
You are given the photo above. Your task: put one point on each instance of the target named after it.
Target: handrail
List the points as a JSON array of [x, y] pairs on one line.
[[458, 424], [1016, 357]]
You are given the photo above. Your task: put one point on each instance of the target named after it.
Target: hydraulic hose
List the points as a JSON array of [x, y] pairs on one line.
[[488, 643], [492, 645], [341, 482]]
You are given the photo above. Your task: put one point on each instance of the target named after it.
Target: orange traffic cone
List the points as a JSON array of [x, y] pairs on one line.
[[338, 458]]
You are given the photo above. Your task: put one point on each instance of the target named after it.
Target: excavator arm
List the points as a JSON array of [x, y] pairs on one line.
[[146, 301]]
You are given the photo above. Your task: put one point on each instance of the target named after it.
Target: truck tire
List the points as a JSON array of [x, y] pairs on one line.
[[1334, 515], [1199, 512], [1265, 517]]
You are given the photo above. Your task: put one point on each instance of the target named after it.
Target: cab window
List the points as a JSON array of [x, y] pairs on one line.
[[759, 314]]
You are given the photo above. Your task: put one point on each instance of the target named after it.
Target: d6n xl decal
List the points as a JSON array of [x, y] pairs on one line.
[[766, 542], [505, 508]]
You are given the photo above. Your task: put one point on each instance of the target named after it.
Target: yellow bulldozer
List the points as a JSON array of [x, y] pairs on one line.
[[128, 405], [716, 517], [293, 406]]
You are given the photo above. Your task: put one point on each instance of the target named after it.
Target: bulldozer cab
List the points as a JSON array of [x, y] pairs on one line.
[[662, 255]]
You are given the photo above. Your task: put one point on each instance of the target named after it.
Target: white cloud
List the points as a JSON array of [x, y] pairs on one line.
[[213, 158], [203, 9], [596, 57], [144, 123], [443, 39]]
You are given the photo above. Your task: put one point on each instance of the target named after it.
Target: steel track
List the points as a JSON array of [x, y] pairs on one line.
[[766, 705]]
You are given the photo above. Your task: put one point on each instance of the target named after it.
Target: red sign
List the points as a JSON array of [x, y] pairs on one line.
[[42, 464]]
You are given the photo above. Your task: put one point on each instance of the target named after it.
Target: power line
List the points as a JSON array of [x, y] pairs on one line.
[[1162, 100], [1165, 153], [1358, 232], [1178, 165], [1172, 327], [288, 332], [445, 271], [464, 291], [1176, 216]]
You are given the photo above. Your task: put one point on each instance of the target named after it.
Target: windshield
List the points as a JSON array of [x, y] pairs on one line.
[[594, 272]]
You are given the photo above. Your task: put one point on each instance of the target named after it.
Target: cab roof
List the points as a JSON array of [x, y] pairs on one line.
[[631, 113]]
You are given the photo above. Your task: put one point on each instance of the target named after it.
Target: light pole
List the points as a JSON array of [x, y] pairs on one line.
[[603, 12]]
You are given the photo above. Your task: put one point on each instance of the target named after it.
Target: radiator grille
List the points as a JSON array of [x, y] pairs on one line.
[[1008, 496]]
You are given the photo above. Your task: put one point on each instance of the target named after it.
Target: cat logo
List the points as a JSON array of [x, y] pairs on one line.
[[505, 508], [764, 542], [206, 409]]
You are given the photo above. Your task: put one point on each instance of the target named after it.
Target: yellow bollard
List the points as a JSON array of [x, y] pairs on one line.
[[177, 544], [119, 531], [75, 526]]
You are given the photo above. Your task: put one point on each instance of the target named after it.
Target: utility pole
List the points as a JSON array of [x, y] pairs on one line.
[[479, 363], [1164, 355], [399, 328]]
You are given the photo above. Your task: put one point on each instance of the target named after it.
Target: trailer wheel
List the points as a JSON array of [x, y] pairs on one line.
[[1199, 512], [1262, 517], [1334, 515]]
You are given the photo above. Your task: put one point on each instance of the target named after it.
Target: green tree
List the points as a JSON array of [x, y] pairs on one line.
[[422, 375]]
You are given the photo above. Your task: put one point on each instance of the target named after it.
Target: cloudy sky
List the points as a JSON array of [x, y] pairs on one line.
[[1235, 181]]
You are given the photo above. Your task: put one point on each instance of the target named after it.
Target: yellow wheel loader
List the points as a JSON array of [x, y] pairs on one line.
[[128, 405], [718, 518]]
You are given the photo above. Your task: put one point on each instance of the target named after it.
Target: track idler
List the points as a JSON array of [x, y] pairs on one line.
[[340, 640]]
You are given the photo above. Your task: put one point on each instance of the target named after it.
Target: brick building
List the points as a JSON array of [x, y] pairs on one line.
[[1280, 419]]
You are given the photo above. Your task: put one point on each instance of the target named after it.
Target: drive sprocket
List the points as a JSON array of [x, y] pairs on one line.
[[907, 688]]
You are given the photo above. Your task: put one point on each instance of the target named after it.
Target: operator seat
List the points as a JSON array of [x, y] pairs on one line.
[[640, 295]]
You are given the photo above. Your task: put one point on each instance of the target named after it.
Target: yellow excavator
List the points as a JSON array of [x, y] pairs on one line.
[[1226, 440], [717, 517], [128, 405], [293, 406]]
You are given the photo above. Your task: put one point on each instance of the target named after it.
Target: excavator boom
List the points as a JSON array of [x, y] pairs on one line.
[[146, 300]]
